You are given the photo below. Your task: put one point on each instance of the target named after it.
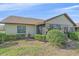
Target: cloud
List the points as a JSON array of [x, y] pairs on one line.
[[66, 9], [16, 6], [75, 7], [70, 10], [72, 7]]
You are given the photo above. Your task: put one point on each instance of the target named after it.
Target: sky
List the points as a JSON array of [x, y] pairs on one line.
[[39, 10]]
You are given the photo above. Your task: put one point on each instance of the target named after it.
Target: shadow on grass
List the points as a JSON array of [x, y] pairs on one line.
[[70, 45], [8, 44], [12, 43]]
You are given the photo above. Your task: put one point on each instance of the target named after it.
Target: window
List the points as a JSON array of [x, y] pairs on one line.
[[72, 29], [21, 29], [55, 26]]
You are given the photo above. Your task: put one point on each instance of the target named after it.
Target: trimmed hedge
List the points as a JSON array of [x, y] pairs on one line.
[[74, 35], [40, 37], [56, 38]]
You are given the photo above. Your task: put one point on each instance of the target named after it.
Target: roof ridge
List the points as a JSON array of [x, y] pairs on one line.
[[56, 16], [26, 17]]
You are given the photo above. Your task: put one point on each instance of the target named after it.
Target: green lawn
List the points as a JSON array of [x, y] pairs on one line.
[[32, 48]]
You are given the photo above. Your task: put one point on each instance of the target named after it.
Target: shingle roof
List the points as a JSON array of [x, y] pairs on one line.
[[22, 20], [33, 21]]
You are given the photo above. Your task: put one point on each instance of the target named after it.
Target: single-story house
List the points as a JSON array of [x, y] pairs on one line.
[[21, 25]]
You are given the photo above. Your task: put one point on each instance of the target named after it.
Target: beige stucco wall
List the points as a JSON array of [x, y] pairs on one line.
[[60, 20], [12, 29], [30, 29]]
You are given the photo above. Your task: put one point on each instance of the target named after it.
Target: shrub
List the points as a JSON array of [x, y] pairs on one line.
[[74, 35], [10, 37], [29, 35], [20, 36], [2, 37], [43, 37], [40, 37], [56, 38]]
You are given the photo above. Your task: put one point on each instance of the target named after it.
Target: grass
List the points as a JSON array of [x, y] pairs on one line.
[[2, 31], [33, 48]]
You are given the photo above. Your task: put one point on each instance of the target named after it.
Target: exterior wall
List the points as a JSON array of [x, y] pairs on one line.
[[11, 29], [62, 20], [30, 29]]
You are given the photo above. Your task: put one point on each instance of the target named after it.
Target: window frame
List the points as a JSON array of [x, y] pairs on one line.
[[55, 26], [21, 29]]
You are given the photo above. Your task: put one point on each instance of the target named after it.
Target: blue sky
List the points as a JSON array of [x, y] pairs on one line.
[[39, 10]]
